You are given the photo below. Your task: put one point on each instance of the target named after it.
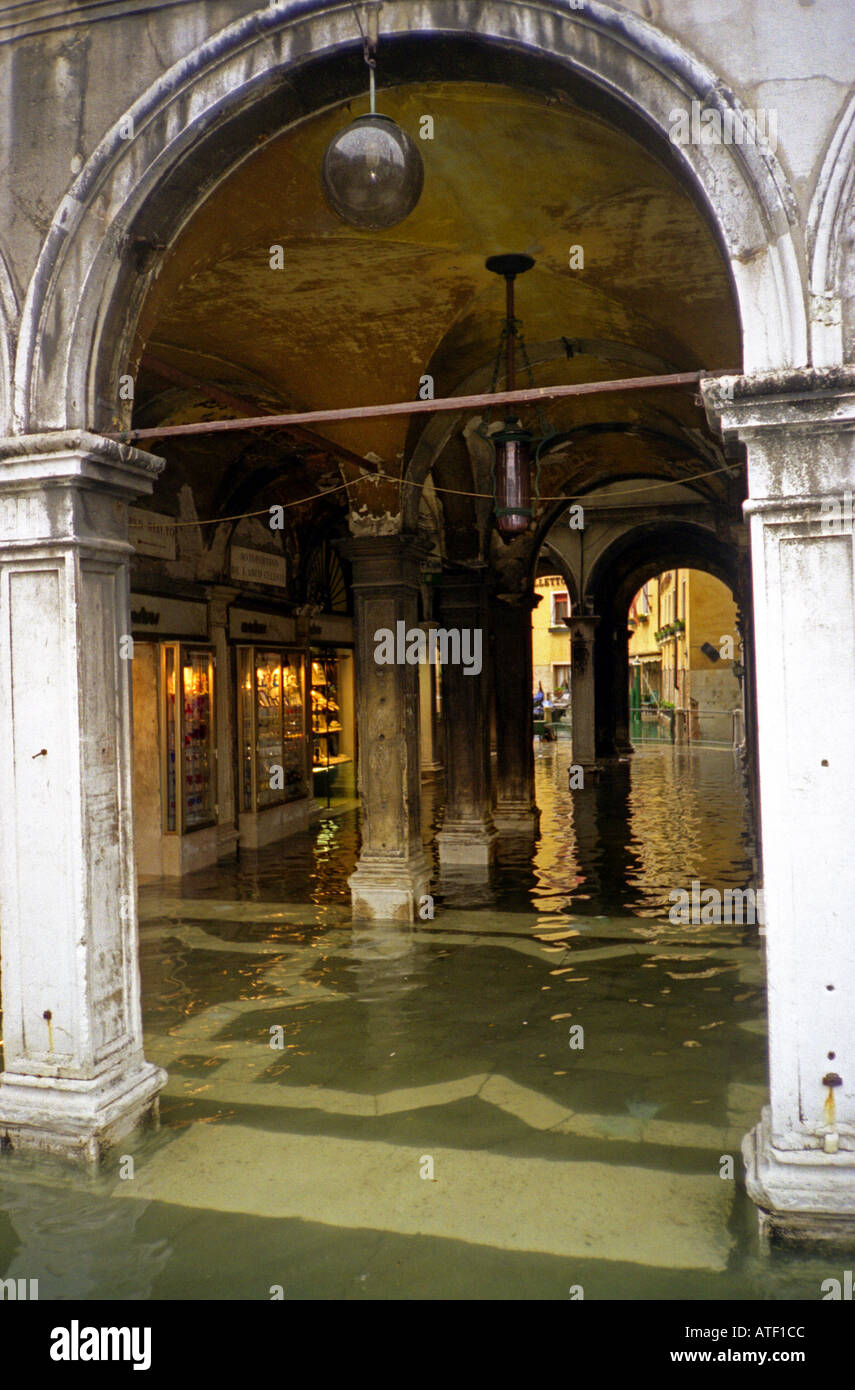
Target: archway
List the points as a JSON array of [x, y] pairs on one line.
[[197, 123]]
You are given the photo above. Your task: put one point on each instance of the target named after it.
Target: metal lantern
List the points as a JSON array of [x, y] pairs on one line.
[[513, 459], [515, 449], [372, 173]]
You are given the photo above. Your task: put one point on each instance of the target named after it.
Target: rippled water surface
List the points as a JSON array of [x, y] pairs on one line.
[[531, 1092]]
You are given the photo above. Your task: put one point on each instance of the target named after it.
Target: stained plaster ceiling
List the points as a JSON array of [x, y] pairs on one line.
[[357, 317]]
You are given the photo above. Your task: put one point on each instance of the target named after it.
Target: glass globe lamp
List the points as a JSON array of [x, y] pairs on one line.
[[372, 173]]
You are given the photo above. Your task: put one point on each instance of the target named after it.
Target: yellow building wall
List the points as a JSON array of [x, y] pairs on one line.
[[683, 674], [550, 642]]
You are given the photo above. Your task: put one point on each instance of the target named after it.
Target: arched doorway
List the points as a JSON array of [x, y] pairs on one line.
[[94, 302]]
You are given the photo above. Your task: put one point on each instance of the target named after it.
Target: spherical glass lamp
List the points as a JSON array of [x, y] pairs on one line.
[[372, 173]]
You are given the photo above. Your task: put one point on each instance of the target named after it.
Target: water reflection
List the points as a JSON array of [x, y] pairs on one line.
[[308, 1054], [639, 829]]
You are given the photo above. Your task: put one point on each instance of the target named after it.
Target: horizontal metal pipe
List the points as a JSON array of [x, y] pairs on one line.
[[174, 374], [369, 412]]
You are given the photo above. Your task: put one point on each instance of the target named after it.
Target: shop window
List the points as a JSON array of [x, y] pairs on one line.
[[332, 729], [272, 737], [188, 737]]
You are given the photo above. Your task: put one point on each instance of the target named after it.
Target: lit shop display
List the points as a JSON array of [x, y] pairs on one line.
[[187, 687], [332, 727], [271, 726]]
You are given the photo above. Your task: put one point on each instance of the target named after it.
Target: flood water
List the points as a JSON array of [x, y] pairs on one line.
[[535, 1091]]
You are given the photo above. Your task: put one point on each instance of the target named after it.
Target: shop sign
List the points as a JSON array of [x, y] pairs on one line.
[[246, 626], [332, 628], [152, 534], [259, 567], [174, 617]]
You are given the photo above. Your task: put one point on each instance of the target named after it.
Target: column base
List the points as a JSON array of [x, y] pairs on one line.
[[516, 818], [388, 890], [78, 1120], [467, 843], [805, 1197]]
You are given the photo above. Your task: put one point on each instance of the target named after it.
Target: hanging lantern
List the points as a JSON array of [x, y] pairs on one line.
[[513, 458], [372, 173], [515, 449]]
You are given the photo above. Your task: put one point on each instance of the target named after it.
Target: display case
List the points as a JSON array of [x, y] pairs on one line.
[[332, 728], [188, 748], [271, 683]]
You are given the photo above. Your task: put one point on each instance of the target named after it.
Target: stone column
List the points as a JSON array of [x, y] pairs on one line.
[[219, 600], [515, 811], [75, 1079], [799, 429], [393, 871], [582, 705], [468, 835]]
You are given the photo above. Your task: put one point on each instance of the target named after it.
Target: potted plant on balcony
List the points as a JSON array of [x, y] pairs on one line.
[[679, 625]]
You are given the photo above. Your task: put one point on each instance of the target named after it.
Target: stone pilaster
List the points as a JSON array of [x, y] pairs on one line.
[[468, 835], [393, 872], [799, 430], [76, 1080], [582, 689], [515, 812]]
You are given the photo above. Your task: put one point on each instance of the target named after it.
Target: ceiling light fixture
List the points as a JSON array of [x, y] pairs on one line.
[[514, 447], [372, 172]]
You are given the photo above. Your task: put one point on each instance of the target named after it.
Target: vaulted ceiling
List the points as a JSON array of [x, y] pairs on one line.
[[357, 317]]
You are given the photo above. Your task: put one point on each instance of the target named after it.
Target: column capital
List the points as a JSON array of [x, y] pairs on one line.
[[384, 561], [802, 398], [76, 456], [582, 625], [520, 600], [798, 427]]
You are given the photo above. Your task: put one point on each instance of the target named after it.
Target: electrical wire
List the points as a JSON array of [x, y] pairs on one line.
[[453, 492]]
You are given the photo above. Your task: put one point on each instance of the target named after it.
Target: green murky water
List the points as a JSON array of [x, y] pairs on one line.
[[532, 1092]]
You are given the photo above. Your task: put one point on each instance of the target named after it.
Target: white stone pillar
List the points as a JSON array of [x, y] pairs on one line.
[[75, 1078], [799, 429]]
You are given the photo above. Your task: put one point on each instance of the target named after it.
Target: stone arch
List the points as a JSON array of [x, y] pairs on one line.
[[190, 127], [831, 243], [633, 558]]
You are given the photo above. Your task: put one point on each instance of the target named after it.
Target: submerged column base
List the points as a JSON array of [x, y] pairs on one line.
[[78, 1120], [467, 842], [516, 818], [389, 890], [805, 1197]]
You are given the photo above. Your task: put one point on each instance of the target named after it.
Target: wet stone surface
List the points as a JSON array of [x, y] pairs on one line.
[[533, 1091]]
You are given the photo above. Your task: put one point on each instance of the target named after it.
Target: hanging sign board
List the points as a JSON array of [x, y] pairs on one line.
[[259, 567], [152, 534]]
